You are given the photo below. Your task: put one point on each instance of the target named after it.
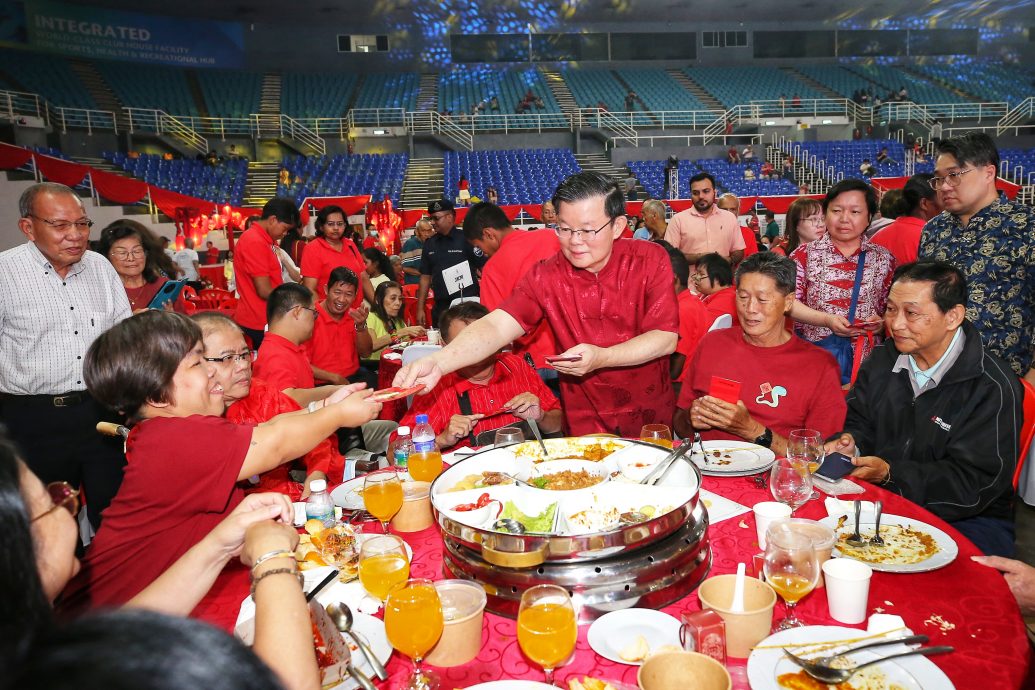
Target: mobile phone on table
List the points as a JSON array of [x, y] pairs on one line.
[[835, 466], [725, 389], [167, 293]]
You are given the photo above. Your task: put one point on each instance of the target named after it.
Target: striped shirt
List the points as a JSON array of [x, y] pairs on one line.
[[47, 322]]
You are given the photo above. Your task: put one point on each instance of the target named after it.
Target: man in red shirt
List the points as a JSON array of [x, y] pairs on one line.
[[610, 305], [502, 390], [281, 361], [211, 254], [730, 202], [902, 237], [714, 279], [257, 267], [694, 317], [339, 342], [785, 382], [511, 253]]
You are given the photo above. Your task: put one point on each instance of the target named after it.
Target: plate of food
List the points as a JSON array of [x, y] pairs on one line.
[[910, 546], [769, 669], [725, 458], [629, 636], [582, 448]]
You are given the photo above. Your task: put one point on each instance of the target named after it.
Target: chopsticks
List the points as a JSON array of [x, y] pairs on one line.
[[323, 583]]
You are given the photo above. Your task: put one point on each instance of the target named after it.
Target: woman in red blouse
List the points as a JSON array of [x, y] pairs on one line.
[[330, 249]]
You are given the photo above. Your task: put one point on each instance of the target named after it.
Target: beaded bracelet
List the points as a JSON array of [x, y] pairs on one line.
[[278, 571], [279, 553]]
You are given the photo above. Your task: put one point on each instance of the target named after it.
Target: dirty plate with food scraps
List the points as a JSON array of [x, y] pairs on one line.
[[616, 635], [732, 458], [901, 555]]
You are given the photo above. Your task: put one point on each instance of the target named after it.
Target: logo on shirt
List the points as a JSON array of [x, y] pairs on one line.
[[941, 423], [770, 396]]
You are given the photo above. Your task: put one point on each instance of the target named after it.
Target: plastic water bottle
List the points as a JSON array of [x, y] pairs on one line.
[[425, 462], [319, 505], [401, 447]]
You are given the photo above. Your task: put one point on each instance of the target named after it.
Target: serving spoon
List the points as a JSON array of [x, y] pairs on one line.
[[341, 616]]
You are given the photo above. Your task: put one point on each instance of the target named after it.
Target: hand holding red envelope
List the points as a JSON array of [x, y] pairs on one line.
[[394, 393]]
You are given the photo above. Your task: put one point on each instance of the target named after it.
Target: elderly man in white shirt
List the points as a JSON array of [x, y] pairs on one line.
[[56, 297]]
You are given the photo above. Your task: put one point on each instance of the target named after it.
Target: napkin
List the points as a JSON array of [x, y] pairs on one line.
[[836, 507], [886, 622], [392, 356], [841, 487]]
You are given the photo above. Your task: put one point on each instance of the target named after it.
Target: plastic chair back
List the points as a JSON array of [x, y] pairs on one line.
[[721, 322], [1027, 428]]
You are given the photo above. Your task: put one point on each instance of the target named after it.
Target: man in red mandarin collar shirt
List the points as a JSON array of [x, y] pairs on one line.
[[610, 305], [281, 361]]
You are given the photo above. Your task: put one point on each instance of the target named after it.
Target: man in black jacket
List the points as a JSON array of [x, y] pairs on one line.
[[933, 416]]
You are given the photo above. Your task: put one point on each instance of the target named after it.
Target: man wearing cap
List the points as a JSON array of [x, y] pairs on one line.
[[611, 307], [449, 264]]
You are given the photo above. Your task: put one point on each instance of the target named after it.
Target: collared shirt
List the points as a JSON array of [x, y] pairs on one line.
[[693, 233], [518, 252], [320, 258], [901, 238], [255, 256], [996, 252], [444, 258], [282, 364], [630, 296], [412, 245], [510, 377], [47, 322], [333, 345], [826, 277], [722, 302], [923, 380]]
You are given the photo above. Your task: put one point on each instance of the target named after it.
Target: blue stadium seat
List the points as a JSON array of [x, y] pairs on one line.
[[522, 176]]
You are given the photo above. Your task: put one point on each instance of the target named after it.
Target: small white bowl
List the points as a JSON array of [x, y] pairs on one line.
[[479, 517]]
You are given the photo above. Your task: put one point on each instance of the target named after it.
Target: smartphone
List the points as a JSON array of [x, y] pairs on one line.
[[725, 389], [563, 358], [167, 293], [835, 466]]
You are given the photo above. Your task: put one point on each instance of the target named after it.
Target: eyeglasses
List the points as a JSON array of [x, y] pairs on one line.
[[122, 254], [437, 217], [815, 220], [315, 313], [247, 356], [582, 234], [698, 277], [65, 225], [62, 495], [951, 179]]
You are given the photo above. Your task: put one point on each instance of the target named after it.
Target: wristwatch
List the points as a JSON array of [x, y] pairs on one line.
[[766, 439]]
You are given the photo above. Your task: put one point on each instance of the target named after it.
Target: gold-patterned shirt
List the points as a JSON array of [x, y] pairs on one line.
[[996, 252]]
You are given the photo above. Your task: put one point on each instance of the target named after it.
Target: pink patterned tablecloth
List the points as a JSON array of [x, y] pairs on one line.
[[991, 647]]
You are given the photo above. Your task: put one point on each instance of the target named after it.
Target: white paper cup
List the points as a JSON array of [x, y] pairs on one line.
[[848, 589], [765, 513], [434, 336]]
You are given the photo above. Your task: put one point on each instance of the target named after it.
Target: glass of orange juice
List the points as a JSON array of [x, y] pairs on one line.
[[413, 623], [383, 495], [546, 627], [658, 434], [425, 466], [383, 564]]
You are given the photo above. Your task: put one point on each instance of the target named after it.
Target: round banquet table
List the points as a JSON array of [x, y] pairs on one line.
[[992, 649]]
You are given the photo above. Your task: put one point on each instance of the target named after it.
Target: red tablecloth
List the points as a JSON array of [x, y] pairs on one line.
[[393, 410], [213, 274], [991, 647]]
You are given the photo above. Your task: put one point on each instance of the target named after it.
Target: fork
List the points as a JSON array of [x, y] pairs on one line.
[[700, 446], [876, 540], [833, 676], [825, 660]]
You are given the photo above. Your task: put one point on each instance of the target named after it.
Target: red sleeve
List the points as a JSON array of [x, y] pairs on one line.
[[660, 310], [253, 259], [827, 409], [523, 303], [491, 294], [440, 405]]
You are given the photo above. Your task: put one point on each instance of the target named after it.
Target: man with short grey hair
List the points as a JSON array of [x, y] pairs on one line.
[[653, 214], [56, 297]]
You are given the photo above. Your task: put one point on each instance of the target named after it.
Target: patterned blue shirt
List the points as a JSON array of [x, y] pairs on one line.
[[996, 252]]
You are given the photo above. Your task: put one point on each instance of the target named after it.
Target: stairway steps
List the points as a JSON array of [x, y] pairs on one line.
[[427, 93], [269, 99], [809, 81], [102, 94], [696, 89]]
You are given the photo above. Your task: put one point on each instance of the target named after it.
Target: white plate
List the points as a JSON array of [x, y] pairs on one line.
[[947, 548], [344, 495], [511, 685], [613, 632], [372, 631], [908, 673], [744, 458]]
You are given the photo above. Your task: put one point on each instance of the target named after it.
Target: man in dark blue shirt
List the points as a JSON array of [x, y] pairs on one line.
[[449, 264]]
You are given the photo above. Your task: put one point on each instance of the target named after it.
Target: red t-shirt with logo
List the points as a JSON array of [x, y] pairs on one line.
[[796, 385]]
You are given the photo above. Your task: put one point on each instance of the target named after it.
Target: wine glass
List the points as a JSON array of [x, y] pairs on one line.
[[507, 435], [807, 445], [792, 569], [790, 482], [546, 627], [413, 624], [383, 495], [658, 434], [383, 564]]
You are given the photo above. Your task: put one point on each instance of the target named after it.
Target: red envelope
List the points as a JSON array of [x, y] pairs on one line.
[[394, 393], [725, 389]]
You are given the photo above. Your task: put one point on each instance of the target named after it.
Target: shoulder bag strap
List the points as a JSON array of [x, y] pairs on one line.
[[856, 287]]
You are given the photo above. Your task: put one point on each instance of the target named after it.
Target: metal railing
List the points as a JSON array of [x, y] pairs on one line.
[[280, 126], [377, 117], [161, 122], [18, 104], [693, 119], [430, 122], [685, 139], [81, 118], [811, 107], [1025, 110]]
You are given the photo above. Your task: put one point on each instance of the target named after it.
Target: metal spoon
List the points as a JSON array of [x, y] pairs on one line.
[[341, 615], [833, 676], [508, 525], [875, 539], [538, 437], [856, 539]]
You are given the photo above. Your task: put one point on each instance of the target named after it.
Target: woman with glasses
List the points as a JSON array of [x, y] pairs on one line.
[[332, 248], [386, 323], [804, 223], [138, 258], [40, 536]]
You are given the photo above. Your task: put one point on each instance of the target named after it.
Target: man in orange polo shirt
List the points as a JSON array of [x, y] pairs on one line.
[[257, 267], [902, 237], [281, 361], [704, 228], [339, 342], [511, 253]]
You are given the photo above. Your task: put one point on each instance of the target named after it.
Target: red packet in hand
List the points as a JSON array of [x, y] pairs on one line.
[[394, 393], [724, 389], [562, 358]]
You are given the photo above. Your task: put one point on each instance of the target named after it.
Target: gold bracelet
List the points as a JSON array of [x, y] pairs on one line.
[[887, 478], [279, 553], [278, 571]]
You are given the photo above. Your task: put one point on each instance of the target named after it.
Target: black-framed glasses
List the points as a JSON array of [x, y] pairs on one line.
[[953, 179], [312, 309], [62, 495], [582, 234], [64, 225], [123, 254], [246, 356]]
